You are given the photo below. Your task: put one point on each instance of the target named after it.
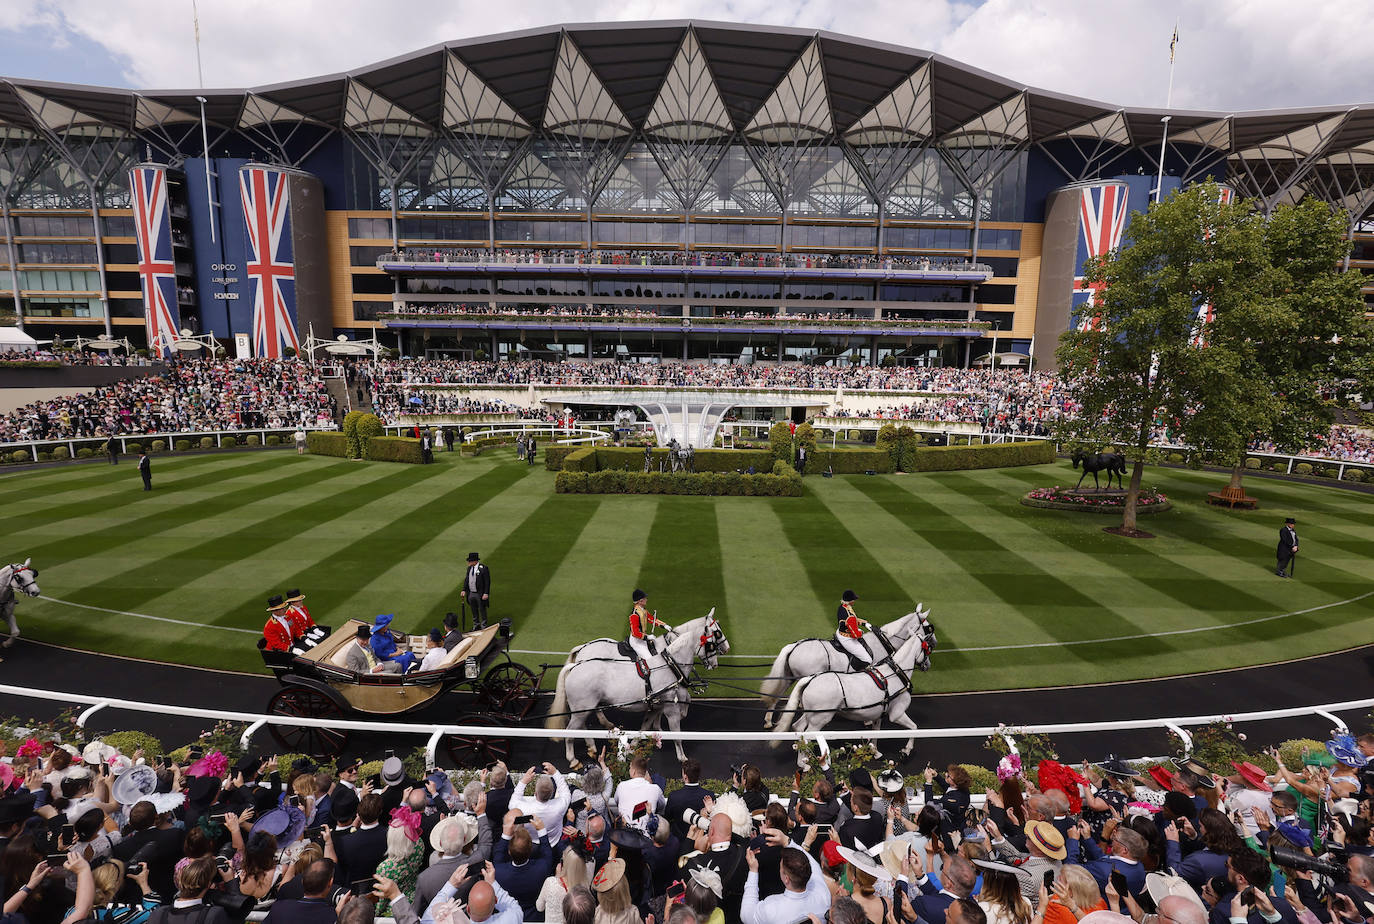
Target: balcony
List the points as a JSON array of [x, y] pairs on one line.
[[678, 264]]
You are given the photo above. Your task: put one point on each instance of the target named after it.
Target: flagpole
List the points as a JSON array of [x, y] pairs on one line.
[[204, 132], [1168, 102]]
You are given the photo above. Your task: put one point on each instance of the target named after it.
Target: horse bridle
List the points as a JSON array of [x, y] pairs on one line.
[[16, 570]]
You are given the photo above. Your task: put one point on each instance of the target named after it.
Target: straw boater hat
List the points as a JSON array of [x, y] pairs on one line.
[[1252, 775], [1047, 839], [1197, 768], [459, 821], [275, 602], [294, 595]]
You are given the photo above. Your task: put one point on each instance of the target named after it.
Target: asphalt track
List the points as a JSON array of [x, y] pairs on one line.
[[1323, 679]]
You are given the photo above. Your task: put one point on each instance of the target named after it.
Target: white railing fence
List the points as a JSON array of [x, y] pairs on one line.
[[97, 443], [1177, 725]]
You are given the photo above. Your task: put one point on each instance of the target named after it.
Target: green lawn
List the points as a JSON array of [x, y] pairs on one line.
[[1019, 597]]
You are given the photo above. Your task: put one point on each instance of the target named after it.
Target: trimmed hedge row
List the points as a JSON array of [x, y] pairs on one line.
[[580, 460], [394, 449], [631, 459], [849, 461], [554, 456], [703, 484], [988, 455], [475, 447], [327, 443]]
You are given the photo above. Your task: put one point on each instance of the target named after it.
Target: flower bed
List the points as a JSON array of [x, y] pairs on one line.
[[1057, 498]]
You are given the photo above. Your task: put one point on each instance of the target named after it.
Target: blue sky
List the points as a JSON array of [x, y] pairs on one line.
[[59, 54]]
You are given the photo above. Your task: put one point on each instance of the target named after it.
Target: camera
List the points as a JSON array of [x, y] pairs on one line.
[[694, 819], [1296, 859], [133, 869]]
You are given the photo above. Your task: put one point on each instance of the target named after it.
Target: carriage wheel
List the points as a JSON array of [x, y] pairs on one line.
[[474, 752], [509, 689], [305, 703]]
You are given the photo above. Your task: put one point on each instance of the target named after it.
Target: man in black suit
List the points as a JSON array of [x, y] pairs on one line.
[[145, 470], [864, 826], [499, 790], [477, 591], [315, 907], [530, 448], [156, 842], [930, 904], [1288, 546], [692, 796], [361, 851]]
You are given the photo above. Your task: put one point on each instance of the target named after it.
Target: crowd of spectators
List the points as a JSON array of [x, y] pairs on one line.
[[572, 257], [391, 402], [97, 835], [610, 312], [1002, 402], [190, 396], [1349, 444], [74, 357]]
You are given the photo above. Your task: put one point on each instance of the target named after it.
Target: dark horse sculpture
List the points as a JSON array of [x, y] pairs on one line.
[[1113, 463]]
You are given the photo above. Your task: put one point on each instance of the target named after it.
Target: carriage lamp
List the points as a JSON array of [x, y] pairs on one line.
[[503, 628], [471, 668]]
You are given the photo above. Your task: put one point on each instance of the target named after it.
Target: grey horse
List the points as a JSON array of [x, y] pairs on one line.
[[23, 578]]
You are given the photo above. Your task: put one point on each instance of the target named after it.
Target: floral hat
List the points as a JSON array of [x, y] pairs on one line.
[[1009, 767], [1345, 750]]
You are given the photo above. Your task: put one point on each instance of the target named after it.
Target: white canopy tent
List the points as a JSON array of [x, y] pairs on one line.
[[14, 340]]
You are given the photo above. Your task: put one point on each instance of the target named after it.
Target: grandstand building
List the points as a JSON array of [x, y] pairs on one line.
[[661, 190]]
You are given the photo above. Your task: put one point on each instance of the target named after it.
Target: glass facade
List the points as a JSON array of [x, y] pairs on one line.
[[53, 226], [52, 252]]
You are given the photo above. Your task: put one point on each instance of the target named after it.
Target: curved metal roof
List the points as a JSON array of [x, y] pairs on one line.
[[593, 86]]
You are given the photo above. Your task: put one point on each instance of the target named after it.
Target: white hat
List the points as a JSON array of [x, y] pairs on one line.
[[862, 861], [119, 764], [98, 752], [164, 802], [1162, 885], [133, 784]]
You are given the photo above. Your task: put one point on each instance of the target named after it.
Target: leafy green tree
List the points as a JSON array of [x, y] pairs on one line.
[[1130, 361], [369, 425], [780, 441]]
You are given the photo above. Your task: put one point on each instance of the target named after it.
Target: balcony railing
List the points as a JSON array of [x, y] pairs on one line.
[[723, 324]]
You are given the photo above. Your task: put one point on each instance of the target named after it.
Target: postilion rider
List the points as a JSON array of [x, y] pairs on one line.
[[850, 632], [289, 626], [642, 641]]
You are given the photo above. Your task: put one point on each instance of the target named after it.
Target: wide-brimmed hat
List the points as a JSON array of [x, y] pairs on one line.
[[1198, 769], [164, 803], [862, 861], [1345, 750], [1115, 766], [285, 822], [609, 876], [630, 839], [891, 781], [1161, 885], [274, 603], [996, 866], [294, 595], [133, 785], [1253, 775], [97, 752], [1161, 775], [892, 855], [382, 621], [465, 827], [119, 764], [1047, 839], [1296, 834]]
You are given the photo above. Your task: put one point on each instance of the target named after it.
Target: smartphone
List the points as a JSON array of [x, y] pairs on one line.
[[676, 891], [160, 760], [56, 860], [820, 829], [1247, 897], [388, 754], [1049, 880], [523, 819], [578, 805], [296, 801], [1119, 883], [362, 886], [68, 834]]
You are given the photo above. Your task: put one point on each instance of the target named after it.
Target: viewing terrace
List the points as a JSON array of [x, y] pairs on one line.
[[536, 262]]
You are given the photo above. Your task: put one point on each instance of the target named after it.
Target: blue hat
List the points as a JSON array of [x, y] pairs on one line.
[[1344, 749], [1298, 836], [382, 622], [286, 823]]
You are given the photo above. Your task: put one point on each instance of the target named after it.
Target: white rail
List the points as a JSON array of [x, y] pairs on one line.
[[434, 732], [97, 443]]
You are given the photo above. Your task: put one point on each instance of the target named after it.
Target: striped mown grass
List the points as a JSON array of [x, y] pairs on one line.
[[1020, 597]]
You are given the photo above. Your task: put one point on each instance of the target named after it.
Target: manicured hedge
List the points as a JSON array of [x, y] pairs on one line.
[[394, 449], [554, 456], [228, 442], [631, 459], [580, 460], [988, 455], [183, 445], [850, 461], [62, 454], [475, 447], [704, 484], [327, 443]]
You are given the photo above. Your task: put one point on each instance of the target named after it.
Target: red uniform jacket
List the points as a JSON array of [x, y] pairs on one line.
[[300, 620], [278, 639], [639, 620]]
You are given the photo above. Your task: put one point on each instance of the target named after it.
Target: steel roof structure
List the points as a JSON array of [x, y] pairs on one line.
[[473, 111]]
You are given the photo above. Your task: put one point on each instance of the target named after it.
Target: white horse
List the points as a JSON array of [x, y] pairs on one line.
[[587, 683], [22, 578], [817, 655], [865, 697]]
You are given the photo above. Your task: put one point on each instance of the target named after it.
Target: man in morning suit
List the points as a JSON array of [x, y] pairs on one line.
[[477, 590], [145, 470], [1288, 546]]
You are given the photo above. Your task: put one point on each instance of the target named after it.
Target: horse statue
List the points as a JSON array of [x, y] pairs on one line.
[[885, 690], [1113, 463], [596, 675], [23, 578], [816, 655]]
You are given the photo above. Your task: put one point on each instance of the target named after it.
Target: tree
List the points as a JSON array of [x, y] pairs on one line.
[[1303, 335], [1129, 361]]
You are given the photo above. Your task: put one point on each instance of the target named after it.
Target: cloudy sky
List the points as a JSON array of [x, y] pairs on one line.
[[1233, 54]]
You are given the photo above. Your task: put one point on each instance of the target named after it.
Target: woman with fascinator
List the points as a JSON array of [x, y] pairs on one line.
[[404, 853]]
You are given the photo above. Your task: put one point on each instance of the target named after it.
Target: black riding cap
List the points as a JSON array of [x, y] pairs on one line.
[[638, 595], [849, 596]]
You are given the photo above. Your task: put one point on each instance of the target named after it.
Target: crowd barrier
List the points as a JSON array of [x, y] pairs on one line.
[[98, 442], [1178, 725]]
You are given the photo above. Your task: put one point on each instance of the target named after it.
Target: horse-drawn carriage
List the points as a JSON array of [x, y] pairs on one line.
[[317, 683]]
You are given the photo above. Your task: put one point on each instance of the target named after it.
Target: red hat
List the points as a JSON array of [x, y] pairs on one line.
[[1161, 775], [830, 852], [1252, 775], [1050, 774]]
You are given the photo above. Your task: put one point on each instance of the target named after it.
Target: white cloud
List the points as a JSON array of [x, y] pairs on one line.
[[1233, 54]]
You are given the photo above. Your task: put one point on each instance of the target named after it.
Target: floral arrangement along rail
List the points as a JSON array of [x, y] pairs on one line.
[[1058, 498]]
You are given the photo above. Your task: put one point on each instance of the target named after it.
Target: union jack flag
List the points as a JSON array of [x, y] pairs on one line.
[[156, 265], [270, 270], [1102, 213], [1205, 312]]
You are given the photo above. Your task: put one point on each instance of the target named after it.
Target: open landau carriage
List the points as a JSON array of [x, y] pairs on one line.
[[317, 684]]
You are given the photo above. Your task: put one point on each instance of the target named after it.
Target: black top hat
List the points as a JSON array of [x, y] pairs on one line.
[[472, 556], [849, 596], [275, 602], [248, 765], [1290, 520], [861, 777], [638, 595], [344, 764], [263, 800], [304, 765], [16, 809], [343, 805], [364, 632], [202, 790]]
